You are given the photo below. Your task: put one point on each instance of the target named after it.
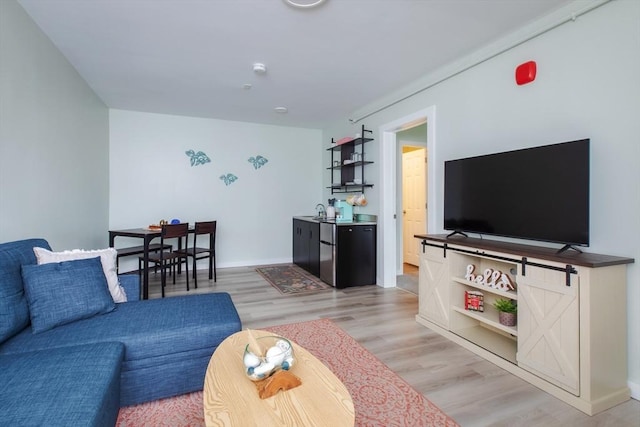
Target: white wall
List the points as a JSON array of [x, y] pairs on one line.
[[587, 87], [53, 142], [151, 178]]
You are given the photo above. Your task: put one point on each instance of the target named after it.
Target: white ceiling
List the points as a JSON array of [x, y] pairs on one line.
[[192, 57]]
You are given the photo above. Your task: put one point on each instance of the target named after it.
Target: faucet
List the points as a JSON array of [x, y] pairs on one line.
[[321, 211]]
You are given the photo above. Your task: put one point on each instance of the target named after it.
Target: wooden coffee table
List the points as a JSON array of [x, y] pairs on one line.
[[231, 399]]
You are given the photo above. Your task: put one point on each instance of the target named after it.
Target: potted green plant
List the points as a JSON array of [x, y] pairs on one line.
[[507, 311]]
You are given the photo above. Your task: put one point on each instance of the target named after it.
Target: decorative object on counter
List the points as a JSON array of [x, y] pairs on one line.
[[175, 221], [331, 209], [198, 158], [344, 211], [291, 279], [357, 200], [507, 311], [474, 300], [257, 161], [491, 278], [264, 356], [228, 178]]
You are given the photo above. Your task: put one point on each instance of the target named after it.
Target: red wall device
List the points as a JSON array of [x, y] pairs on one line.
[[526, 73]]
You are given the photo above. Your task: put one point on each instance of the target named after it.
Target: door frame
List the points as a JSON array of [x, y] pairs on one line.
[[388, 166]]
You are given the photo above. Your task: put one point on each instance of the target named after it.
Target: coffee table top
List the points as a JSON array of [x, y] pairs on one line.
[[231, 399]]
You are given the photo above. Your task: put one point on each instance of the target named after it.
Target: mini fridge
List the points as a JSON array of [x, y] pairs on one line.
[[328, 253]]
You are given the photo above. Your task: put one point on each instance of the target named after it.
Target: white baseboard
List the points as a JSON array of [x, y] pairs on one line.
[[251, 263], [635, 390]]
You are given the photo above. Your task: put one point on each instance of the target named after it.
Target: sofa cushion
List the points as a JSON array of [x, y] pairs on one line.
[[14, 309], [107, 258], [64, 292], [74, 386]]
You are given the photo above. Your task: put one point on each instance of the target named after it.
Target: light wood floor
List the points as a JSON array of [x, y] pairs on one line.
[[471, 390]]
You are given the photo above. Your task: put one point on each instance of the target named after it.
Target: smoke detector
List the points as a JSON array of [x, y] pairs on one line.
[[259, 68]]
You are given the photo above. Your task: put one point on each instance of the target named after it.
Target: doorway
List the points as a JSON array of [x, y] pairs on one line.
[[412, 203], [412, 194], [390, 253]]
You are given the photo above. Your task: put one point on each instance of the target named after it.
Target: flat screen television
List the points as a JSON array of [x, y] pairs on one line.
[[539, 193]]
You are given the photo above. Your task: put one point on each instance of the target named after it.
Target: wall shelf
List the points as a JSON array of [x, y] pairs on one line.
[[345, 168]]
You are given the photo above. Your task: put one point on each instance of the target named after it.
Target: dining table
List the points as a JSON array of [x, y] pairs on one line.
[[147, 235]]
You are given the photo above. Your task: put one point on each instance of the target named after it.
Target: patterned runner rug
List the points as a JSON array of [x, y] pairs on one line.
[[380, 397], [291, 279]]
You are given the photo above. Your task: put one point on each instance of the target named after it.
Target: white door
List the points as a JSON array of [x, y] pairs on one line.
[[414, 202]]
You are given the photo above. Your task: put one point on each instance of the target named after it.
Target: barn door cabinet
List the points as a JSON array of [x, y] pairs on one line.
[[570, 338]]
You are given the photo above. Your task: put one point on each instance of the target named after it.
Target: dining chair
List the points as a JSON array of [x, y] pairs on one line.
[[170, 259], [196, 252]]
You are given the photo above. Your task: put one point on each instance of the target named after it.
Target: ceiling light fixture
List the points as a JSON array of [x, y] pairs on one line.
[[304, 4], [281, 110]]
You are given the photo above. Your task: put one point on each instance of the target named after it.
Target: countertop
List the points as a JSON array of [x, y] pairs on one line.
[[358, 220]]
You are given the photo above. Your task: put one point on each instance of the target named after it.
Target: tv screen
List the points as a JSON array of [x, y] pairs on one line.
[[539, 193]]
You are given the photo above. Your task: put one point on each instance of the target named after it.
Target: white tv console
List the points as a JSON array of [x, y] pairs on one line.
[[570, 339]]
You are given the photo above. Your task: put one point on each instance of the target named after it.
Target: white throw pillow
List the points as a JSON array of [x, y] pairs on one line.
[[107, 257]]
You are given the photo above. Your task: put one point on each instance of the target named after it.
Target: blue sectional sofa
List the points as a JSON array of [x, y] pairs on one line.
[[81, 372]]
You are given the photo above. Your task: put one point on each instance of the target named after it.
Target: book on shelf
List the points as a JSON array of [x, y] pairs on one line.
[[474, 301]]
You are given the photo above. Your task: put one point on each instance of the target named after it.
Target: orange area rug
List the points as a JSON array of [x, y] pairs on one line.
[[380, 396]]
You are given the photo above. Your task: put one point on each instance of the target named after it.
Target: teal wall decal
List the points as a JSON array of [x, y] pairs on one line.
[[228, 178], [198, 158], [258, 161]]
